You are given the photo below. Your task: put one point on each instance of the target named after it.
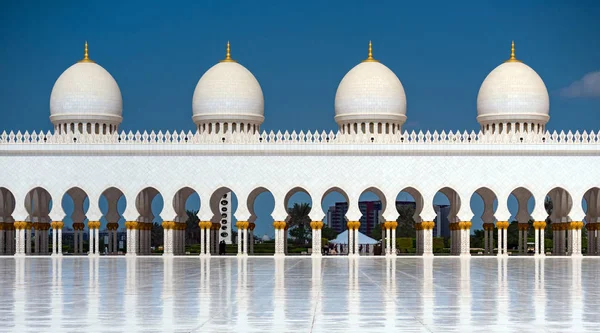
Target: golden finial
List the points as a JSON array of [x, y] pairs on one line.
[[370, 57], [228, 54], [86, 57], [512, 54]]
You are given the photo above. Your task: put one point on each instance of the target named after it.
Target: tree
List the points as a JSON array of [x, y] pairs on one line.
[[299, 222], [328, 232], [406, 222], [192, 231], [376, 232], [477, 239]]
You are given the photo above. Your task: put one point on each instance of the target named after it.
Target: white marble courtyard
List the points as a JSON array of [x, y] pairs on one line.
[[334, 294]]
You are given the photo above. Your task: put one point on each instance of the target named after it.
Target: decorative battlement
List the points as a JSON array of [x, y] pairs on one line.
[[301, 137]]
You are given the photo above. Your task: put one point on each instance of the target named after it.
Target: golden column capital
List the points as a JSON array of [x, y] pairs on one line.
[[131, 225], [354, 225], [428, 225], [242, 224], [316, 225], [502, 224], [93, 224], [279, 225]]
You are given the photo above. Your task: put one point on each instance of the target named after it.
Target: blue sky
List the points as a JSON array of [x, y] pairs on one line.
[[299, 52]]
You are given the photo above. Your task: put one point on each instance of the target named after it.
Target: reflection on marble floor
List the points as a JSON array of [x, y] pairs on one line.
[[153, 294]]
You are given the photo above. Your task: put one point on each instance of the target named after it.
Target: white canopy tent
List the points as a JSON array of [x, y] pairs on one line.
[[362, 239]]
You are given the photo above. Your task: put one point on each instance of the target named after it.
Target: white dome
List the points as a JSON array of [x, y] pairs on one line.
[[513, 92], [86, 92], [370, 92], [228, 92]]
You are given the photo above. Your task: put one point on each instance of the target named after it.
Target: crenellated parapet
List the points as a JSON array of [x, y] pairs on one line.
[[323, 138]]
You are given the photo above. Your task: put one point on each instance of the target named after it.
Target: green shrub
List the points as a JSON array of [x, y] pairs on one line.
[[404, 244], [438, 244], [548, 245]]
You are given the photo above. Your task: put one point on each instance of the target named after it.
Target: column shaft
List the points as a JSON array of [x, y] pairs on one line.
[[500, 242], [239, 241], [505, 240], [208, 245], [91, 241]]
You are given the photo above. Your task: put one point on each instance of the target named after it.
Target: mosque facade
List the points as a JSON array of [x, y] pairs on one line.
[[87, 157]]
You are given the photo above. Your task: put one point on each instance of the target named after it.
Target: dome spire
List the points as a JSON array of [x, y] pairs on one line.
[[228, 54], [512, 54], [370, 56], [86, 57]]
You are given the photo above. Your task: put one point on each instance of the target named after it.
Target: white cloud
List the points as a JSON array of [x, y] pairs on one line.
[[588, 86]]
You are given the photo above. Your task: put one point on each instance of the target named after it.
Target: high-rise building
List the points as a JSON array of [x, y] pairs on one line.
[[371, 211]]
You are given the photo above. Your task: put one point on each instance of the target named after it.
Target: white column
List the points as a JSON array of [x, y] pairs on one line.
[[393, 235], [240, 237], [59, 242], [537, 242], [134, 243], [356, 243], [54, 232], [245, 245], [388, 241], [18, 242], [428, 241], [208, 245], [128, 240], [202, 237], [505, 239], [91, 241], [97, 239], [500, 243], [314, 243]]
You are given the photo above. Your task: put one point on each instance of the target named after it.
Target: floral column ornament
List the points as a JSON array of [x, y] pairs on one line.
[[168, 237], [131, 235], [279, 234], [465, 238], [20, 238], [427, 230], [316, 227]]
